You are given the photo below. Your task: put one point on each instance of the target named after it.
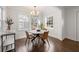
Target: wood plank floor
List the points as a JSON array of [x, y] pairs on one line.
[[55, 46]]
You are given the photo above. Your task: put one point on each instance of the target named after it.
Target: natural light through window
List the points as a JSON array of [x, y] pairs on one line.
[[0, 17], [23, 22]]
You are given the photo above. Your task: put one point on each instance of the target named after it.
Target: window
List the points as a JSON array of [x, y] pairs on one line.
[[50, 21], [23, 22], [0, 18]]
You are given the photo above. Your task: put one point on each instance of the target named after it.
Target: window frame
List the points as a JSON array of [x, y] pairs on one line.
[[1, 20], [22, 20]]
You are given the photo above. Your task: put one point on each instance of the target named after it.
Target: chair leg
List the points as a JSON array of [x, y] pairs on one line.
[[33, 39], [28, 42], [25, 41], [43, 41], [48, 42]]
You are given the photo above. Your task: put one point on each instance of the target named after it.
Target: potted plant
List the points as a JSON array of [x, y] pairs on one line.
[[42, 26], [9, 23]]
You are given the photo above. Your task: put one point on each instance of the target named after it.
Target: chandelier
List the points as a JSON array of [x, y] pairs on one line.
[[34, 12]]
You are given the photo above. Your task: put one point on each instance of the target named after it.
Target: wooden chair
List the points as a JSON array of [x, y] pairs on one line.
[[28, 37], [45, 37]]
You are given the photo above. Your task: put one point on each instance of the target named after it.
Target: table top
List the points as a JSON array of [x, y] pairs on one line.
[[37, 32], [6, 32]]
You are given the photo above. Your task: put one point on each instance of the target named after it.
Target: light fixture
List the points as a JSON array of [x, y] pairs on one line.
[[34, 12]]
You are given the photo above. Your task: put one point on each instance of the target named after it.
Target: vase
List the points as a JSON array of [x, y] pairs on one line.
[[8, 28]]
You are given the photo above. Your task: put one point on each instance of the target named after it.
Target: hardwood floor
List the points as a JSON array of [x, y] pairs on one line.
[[56, 45], [70, 45]]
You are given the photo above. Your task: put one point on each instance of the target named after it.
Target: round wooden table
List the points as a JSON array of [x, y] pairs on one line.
[[37, 33]]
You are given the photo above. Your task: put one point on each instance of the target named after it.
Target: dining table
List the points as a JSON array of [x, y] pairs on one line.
[[37, 34]]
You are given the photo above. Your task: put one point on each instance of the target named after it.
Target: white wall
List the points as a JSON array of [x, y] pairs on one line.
[[58, 21], [70, 22], [77, 26]]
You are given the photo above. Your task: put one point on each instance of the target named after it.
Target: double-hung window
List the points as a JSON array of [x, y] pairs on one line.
[[1, 15], [23, 22]]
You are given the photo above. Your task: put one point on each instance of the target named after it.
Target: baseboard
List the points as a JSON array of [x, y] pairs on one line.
[[20, 38], [66, 38], [55, 38]]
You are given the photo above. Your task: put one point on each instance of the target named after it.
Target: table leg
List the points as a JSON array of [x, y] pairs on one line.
[[33, 39]]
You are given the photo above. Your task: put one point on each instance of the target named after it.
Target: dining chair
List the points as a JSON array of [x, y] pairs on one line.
[[45, 37], [28, 37]]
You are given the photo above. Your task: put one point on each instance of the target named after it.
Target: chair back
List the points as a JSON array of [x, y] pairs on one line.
[[45, 35]]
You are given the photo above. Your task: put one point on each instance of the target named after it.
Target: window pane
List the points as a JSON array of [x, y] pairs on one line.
[[0, 13], [23, 21], [0, 17]]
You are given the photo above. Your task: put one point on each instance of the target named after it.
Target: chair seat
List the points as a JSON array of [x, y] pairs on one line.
[[31, 36]]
